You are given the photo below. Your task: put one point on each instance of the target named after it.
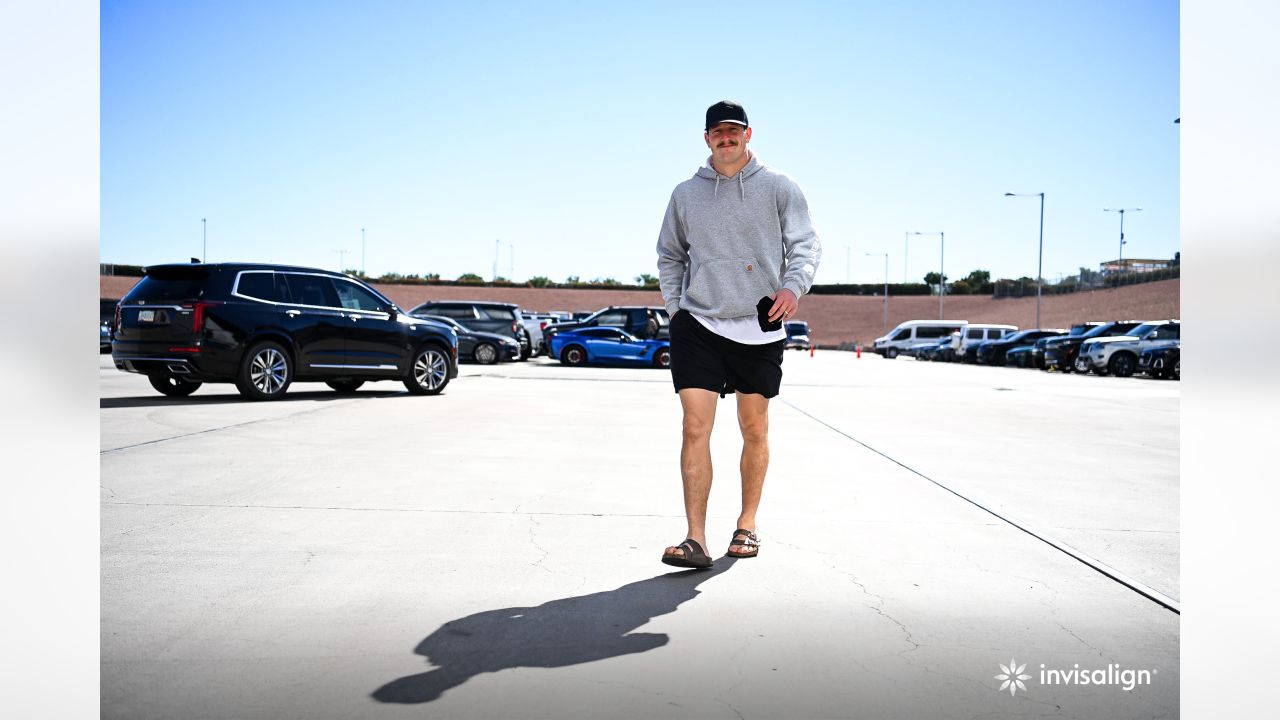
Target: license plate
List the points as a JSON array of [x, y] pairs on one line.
[[146, 316]]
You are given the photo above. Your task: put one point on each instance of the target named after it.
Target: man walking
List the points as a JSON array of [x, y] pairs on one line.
[[736, 251]]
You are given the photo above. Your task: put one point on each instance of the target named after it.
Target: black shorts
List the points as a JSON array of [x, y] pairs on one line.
[[703, 359]]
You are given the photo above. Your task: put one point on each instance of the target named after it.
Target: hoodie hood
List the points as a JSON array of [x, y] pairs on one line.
[[708, 172]]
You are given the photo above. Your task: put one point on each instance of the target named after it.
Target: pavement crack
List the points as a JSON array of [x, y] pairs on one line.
[[206, 431]]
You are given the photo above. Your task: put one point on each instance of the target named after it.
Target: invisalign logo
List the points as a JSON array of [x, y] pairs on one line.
[[1013, 677]]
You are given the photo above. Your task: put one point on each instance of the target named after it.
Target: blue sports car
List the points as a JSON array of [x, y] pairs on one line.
[[607, 346]]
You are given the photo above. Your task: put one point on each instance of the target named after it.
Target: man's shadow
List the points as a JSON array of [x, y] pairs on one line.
[[569, 631]]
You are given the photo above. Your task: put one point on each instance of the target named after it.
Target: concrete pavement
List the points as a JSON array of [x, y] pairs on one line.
[[493, 552]]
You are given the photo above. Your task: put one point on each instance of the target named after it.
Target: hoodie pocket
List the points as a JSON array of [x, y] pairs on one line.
[[729, 287]]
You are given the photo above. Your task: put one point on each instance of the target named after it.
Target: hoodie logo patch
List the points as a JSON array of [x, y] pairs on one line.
[[748, 268]]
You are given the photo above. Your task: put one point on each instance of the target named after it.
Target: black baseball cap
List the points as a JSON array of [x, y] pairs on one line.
[[726, 111]]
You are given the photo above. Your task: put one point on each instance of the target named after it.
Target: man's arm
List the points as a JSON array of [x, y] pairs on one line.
[[673, 258], [800, 243]]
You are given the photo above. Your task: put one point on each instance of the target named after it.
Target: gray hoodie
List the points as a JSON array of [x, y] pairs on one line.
[[719, 254]]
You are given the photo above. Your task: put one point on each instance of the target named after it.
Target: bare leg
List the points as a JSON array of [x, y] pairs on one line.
[[753, 421], [695, 461]]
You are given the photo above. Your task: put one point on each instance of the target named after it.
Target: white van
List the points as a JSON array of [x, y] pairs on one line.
[[915, 333], [981, 332]]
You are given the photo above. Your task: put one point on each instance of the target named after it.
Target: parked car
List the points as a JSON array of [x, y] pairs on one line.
[[908, 336], [992, 352], [264, 327], [106, 315], [1021, 357], [609, 345], [483, 316], [1118, 355], [482, 347], [931, 352], [645, 322], [974, 333], [797, 335], [1060, 352], [1162, 362]]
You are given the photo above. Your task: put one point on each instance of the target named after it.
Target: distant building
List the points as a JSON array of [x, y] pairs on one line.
[[1134, 265]]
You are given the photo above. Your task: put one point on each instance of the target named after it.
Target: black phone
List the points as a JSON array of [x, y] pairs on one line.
[[762, 315]]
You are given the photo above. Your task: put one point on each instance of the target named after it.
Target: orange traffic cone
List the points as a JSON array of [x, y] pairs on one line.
[[810, 349], [859, 352]]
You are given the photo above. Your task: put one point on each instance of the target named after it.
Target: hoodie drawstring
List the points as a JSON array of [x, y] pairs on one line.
[[742, 190], [716, 192]]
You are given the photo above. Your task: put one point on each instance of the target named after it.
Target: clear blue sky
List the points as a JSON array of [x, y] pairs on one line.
[[560, 129]]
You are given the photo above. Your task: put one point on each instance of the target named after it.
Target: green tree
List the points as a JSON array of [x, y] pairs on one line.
[[572, 280], [470, 279], [646, 279], [540, 281], [608, 282], [932, 278]]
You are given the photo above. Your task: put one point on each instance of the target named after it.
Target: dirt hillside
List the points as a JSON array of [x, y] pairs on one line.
[[833, 318]]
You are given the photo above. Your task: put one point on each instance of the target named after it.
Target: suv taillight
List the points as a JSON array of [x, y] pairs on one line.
[[198, 315], [515, 325], [117, 320]]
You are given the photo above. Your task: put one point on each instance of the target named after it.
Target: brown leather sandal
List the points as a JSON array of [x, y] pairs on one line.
[[748, 539], [693, 557]]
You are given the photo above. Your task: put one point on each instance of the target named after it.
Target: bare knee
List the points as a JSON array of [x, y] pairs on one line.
[[754, 430], [696, 430]]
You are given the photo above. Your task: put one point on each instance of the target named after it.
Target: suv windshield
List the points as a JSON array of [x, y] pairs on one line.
[[1143, 329]]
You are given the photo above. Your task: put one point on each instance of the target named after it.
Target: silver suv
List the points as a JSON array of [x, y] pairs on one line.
[[1118, 355]]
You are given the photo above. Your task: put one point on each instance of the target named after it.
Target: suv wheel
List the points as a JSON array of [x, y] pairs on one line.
[[485, 354], [265, 372], [344, 386], [429, 371], [891, 353], [173, 386], [1082, 365], [574, 355], [1122, 364], [662, 358]]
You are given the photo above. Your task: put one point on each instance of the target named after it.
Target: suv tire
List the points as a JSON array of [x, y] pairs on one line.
[[891, 353], [428, 371], [344, 386], [173, 386], [1122, 364], [265, 372]]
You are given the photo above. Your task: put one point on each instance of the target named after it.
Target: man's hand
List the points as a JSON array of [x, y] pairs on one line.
[[784, 305]]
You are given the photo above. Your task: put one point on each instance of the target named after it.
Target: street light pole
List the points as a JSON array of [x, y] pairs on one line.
[[906, 245], [362, 251], [886, 287], [342, 254], [1040, 262], [942, 277], [1122, 211], [204, 240]]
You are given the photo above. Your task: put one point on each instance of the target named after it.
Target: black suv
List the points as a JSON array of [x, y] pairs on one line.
[[266, 326], [646, 323], [483, 316]]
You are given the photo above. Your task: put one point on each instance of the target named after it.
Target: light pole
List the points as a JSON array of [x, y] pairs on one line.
[[847, 276], [497, 248], [1040, 262], [942, 278], [1122, 211], [886, 287], [204, 240], [342, 254], [362, 252], [906, 245]]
